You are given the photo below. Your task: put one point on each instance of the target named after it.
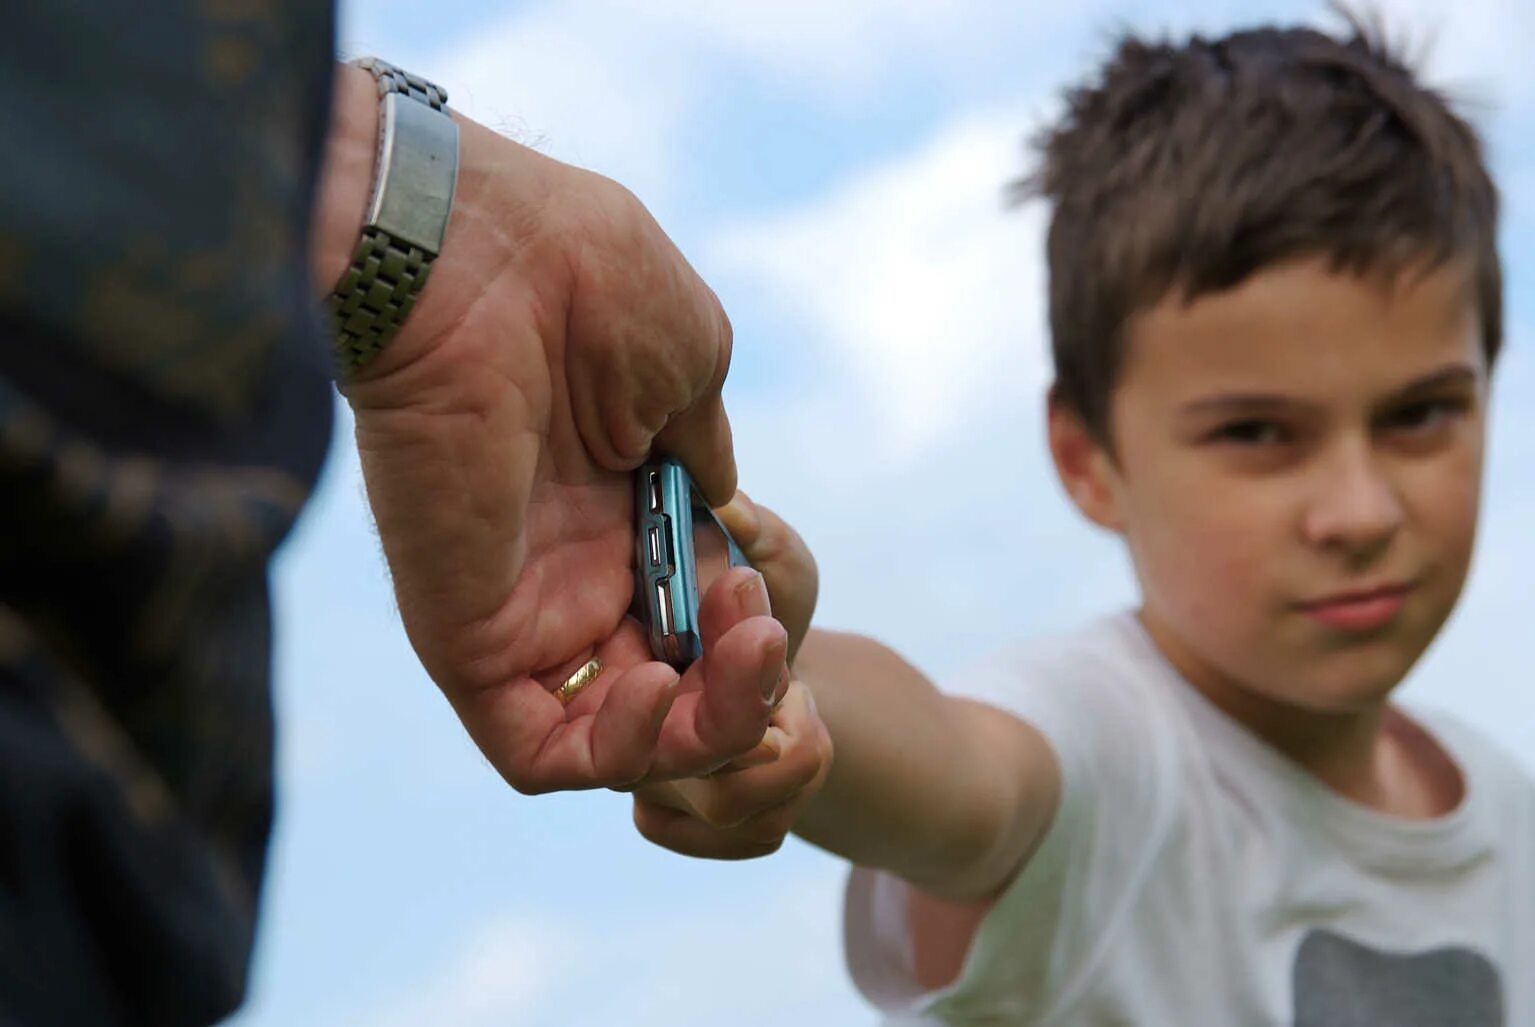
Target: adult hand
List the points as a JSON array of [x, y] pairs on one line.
[[560, 337]]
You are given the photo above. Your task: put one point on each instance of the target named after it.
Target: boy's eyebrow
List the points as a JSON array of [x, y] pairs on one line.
[[1455, 374], [1242, 401]]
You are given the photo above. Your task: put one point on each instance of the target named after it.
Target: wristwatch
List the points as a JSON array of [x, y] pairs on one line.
[[413, 184]]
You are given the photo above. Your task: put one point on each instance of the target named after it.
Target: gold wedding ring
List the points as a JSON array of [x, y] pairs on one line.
[[580, 679]]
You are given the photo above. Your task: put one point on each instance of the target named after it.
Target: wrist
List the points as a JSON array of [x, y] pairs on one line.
[[498, 226]]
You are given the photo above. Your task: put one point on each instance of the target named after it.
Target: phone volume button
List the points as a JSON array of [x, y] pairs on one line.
[[655, 546], [664, 605], [655, 492]]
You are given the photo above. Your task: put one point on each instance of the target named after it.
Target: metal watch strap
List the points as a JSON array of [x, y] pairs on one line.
[[407, 216]]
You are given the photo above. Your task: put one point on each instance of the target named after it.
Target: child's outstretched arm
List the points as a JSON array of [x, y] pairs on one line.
[[949, 794]]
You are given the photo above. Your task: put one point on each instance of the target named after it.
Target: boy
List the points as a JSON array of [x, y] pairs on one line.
[[1275, 306]]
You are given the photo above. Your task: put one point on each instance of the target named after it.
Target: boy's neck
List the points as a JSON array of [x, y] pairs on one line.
[[1377, 757]]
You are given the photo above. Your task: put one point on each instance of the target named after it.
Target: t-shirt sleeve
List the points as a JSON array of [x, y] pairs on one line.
[[1038, 944]]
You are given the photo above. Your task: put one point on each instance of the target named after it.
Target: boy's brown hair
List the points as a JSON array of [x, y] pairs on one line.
[[1191, 166]]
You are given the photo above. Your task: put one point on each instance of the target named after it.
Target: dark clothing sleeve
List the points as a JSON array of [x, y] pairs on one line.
[[165, 406]]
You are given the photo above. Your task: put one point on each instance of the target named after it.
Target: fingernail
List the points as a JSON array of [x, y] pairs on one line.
[[664, 707], [782, 691], [773, 669], [752, 594]]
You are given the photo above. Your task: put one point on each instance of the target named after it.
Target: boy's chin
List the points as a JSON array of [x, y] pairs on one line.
[[1356, 680]]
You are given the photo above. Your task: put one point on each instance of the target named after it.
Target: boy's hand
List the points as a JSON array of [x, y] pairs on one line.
[[745, 809], [783, 560]]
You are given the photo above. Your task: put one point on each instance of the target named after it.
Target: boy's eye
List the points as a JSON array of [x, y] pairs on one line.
[[1251, 433], [1426, 416]]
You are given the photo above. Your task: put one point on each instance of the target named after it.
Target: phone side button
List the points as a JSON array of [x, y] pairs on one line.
[[655, 546], [664, 605], [655, 492]]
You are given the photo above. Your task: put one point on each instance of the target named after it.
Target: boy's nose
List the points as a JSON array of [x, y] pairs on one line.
[[1355, 507]]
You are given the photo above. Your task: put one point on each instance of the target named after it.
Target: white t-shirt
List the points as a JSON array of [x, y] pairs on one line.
[[1195, 877]]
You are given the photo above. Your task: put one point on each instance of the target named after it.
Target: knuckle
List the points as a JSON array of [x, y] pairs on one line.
[[624, 777], [725, 330], [616, 193], [629, 783], [628, 434], [525, 782], [615, 768]]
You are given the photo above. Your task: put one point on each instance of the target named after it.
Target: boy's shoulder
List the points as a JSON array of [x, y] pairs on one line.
[[1487, 764], [1106, 660], [1104, 700]]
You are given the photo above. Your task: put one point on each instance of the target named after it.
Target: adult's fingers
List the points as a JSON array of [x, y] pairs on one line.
[[647, 344], [734, 596], [699, 434], [725, 701], [627, 726], [533, 742], [700, 437], [737, 596]]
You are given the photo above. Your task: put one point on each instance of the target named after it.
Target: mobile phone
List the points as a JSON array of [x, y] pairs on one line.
[[673, 523]]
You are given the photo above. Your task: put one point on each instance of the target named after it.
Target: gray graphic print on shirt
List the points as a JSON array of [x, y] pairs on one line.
[[1342, 983]]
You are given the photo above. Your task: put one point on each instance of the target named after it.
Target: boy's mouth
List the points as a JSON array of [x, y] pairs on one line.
[[1363, 609]]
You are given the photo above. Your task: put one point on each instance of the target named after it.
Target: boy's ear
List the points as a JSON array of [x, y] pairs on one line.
[[1087, 471]]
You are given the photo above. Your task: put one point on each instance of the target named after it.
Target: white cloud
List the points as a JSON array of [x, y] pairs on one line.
[[507, 969], [610, 84], [1476, 49], [917, 276], [844, 47], [585, 87], [742, 957]]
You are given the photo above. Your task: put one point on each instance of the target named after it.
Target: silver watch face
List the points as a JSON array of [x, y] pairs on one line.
[[417, 172]]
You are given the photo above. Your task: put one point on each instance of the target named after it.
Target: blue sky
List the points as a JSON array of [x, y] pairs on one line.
[[835, 171]]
